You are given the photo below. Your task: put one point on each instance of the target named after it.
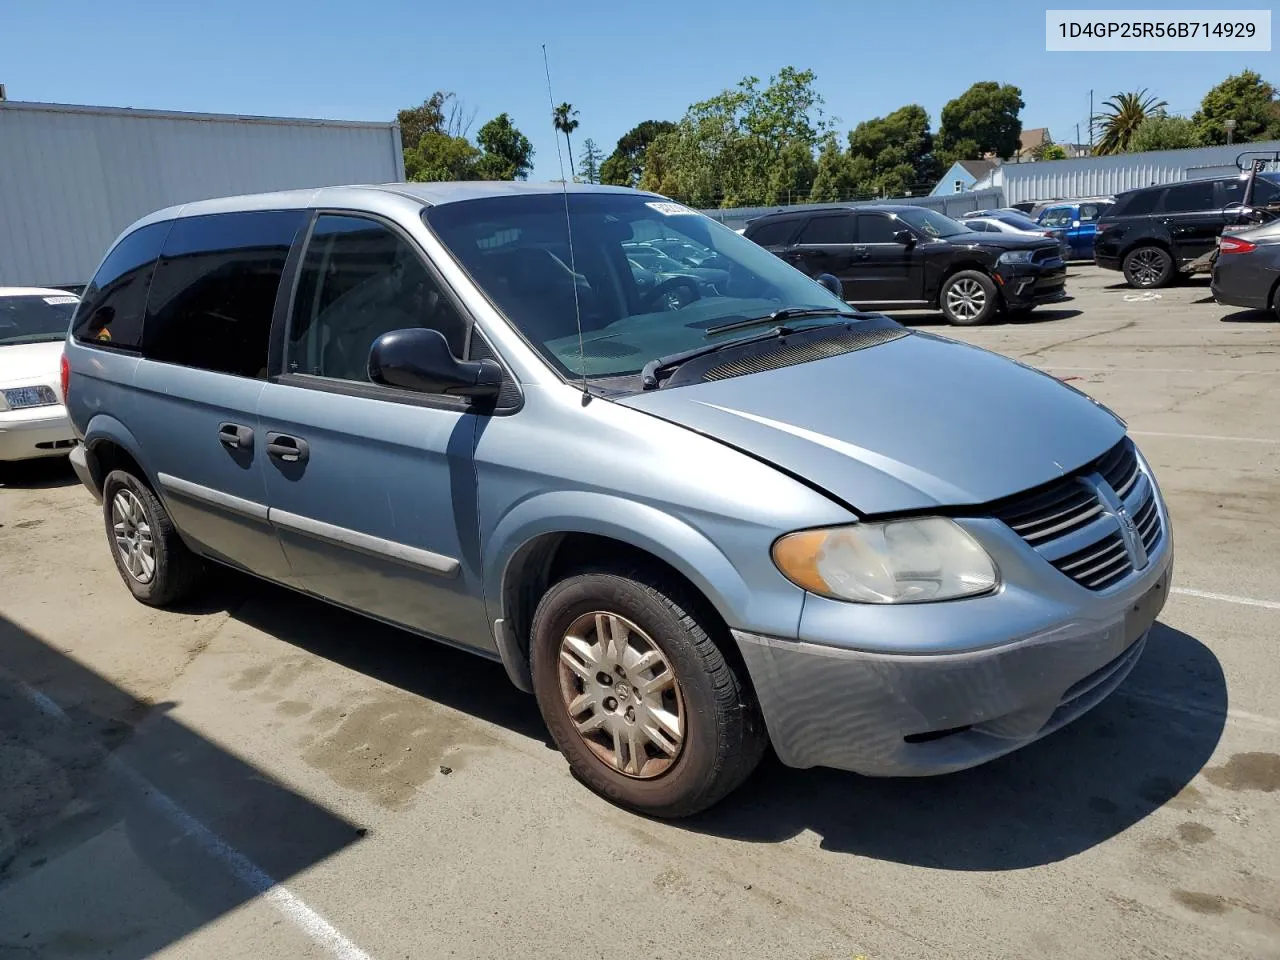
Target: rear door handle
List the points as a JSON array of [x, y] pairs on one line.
[[287, 448], [233, 436]]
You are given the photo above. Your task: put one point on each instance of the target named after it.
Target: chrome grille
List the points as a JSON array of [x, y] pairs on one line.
[[1077, 525]]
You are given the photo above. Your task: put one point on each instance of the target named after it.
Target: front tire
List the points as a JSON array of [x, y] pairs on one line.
[[968, 298], [637, 694], [154, 563], [1148, 267]]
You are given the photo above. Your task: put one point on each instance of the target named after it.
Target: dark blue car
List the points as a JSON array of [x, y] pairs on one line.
[[1078, 220]]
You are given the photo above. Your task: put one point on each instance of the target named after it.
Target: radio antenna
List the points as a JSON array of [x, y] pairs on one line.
[[568, 229]]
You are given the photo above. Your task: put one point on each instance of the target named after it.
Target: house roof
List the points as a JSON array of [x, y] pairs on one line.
[[1030, 139], [978, 168]]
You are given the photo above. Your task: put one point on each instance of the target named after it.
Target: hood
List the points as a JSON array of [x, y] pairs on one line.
[[916, 423], [1000, 241], [30, 361]]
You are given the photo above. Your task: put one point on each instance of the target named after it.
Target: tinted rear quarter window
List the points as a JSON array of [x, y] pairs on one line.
[[1189, 197], [215, 289], [771, 233], [828, 228], [112, 307]]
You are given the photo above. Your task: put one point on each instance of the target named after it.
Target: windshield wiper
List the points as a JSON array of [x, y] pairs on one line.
[[778, 316], [654, 368]]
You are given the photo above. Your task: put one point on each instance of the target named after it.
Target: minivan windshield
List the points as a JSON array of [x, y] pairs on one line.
[[38, 318], [931, 223], [650, 278]]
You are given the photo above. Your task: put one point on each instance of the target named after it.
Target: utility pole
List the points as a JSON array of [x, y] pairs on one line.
[[1077, 134], [1090, 123]]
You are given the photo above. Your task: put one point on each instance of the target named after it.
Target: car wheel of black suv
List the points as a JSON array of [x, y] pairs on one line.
[[154, 563], [968, 298], [1147, 267], [637, 694]]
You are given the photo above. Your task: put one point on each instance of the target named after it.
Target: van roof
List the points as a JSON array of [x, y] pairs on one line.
[[433, 194]]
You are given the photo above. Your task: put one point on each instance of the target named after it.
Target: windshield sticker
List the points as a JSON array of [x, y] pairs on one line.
[[668, 209], [54, 301]]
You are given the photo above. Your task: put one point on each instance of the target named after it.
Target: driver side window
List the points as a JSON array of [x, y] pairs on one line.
[[359, 280]]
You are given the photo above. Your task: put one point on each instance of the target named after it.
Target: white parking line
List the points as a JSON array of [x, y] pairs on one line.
[[1201, 436], [248, 873], [1226, 598], [1196, 710]]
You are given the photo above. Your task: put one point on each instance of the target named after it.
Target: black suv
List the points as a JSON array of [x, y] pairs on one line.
[[911, 258], [1154, 233]]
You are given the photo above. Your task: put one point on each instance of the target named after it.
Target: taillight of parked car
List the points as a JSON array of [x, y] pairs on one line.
[[1235, 245], [64, 376]]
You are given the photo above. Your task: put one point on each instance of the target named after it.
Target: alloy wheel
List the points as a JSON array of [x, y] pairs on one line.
[[622, 695], [133, 536], [966, 299], [1147, 267]]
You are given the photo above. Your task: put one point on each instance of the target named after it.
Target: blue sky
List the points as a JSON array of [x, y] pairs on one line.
[[365, 60]]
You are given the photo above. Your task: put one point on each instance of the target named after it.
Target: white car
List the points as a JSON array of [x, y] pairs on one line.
[[33, 326], [1018, 225]]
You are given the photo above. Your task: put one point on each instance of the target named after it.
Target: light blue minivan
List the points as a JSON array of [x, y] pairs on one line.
[[694, 516]]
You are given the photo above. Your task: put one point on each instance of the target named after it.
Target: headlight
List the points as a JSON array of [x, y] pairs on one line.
[[18, 398], [1015, 256], [898, 561]]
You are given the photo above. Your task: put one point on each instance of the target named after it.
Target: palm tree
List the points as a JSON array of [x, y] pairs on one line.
[[563, 117], [1121, 117]]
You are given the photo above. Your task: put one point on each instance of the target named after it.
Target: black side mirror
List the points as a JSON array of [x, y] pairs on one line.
[[832, 283], [419, 359], [905, 237]]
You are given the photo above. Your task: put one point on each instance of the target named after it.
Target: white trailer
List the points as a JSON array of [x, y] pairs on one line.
[[73, 177]]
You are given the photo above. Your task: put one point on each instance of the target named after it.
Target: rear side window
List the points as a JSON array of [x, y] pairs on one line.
[[113, 304], [1059, 217], [1189, 197], [832, 228], [1091, 211], [772, 233], [877, 228], [215, 289], [1138, 204]]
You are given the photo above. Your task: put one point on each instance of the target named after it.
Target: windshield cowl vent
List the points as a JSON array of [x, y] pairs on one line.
[[802, 347]]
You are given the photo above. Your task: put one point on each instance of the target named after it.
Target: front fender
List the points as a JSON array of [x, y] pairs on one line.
[[645, 527]]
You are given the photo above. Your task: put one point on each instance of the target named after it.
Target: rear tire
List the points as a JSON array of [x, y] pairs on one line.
[[968, 298], [1148, 267], [603, 641], [1275, 301], [156, 566]]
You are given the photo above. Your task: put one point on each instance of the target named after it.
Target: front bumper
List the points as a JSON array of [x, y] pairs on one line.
[[1031, 284], [979, 678], [35, 432]]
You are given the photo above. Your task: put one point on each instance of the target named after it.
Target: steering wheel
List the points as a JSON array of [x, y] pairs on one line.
[[667, 294]]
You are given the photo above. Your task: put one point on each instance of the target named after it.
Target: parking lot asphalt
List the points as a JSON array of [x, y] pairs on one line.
[[262, 775]]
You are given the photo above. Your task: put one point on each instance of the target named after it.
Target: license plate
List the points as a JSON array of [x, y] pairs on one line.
[[1143, 613], [19, 397]]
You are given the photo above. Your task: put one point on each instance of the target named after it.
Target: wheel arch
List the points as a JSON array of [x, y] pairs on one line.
[[109, 445], [545, 537]]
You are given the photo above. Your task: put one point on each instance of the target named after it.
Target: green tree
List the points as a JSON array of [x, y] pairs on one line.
[[564, 118], [589, 161], [834, 178], [986, 115], [1120, 118], [625, 165], [746, 145], [508, 154], [900, 149], [439, 156], [1048, 150], [1245, 98], [1164, 132]]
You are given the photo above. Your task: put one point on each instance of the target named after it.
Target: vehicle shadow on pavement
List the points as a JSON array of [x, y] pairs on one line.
[[121, 830], [1250, 316], [935, 319], [42, 473], [1135, 752], [440, 673]]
